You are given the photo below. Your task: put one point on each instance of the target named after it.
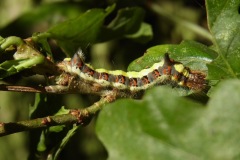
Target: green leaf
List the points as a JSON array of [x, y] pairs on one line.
[[192, 54], [24, 58], [38, 99], [163, 125], [59, 128], [64, 141], [62, 110], [43, 42], [224, 22], [89, 28], [79, 31], [143, 35], [127, 21], [9, 41], [11, 67], [41, 146], [84, 23]]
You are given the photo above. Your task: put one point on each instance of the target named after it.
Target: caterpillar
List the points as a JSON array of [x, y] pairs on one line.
[[164, 72]]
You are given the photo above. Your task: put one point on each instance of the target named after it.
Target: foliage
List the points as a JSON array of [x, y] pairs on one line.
[[160, 125], [168, 126]]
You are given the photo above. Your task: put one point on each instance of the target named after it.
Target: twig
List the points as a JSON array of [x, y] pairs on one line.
[[76, 116], [33, 89]]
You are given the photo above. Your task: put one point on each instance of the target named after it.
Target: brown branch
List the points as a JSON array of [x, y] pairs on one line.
[[14, 127], [76, 116], [33, 89]]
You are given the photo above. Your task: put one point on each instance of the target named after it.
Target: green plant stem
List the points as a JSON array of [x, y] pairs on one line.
[[38, 36], [191, 26], [14, 127], [80, 117], [7, 42]]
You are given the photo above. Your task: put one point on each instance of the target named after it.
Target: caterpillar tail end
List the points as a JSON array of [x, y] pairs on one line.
[[197, 81]]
